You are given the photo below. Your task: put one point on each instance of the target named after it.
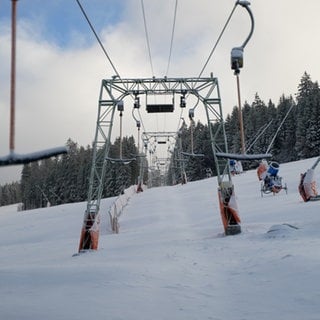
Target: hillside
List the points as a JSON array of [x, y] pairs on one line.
[[170, 259]]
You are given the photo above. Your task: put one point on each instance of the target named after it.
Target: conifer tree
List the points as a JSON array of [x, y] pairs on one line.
[[307, 133]]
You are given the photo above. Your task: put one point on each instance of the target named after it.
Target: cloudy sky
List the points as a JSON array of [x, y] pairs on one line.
[[60, 64]]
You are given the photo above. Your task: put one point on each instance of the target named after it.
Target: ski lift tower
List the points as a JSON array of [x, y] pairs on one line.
[[112, 92], [164, 138]]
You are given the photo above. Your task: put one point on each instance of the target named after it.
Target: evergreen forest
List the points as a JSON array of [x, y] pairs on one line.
[[290, 131]]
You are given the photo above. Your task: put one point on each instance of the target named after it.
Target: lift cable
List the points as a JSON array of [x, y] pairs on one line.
[[180, 120], [282, 122], [260, 132], [218, 40], [171, 44], [142, 124], [147, 36], [172, 36], [98, 39]]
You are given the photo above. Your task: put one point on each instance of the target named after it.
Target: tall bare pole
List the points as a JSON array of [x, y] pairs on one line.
[[13, 75], [237, 64], [12, 158], [243, 145]]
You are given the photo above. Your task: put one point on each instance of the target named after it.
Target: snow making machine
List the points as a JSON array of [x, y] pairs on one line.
[[271, 182]]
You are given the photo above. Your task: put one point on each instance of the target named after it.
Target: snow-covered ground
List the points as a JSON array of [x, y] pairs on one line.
[[170, 259]]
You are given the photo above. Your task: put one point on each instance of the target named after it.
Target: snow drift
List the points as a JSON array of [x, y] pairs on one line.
[[170, 259]]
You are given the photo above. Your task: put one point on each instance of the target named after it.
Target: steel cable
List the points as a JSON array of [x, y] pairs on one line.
[[172, 36], [98, 39], [220, 36], [147, 36]]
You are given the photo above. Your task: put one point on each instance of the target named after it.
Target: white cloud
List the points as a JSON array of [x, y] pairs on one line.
[[58, 88]]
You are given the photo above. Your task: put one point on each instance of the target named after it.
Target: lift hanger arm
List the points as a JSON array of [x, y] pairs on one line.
[[244, 157], [246, 4], [15, 158]]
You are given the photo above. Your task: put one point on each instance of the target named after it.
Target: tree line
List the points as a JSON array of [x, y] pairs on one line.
[[64, 179], [290, 131]]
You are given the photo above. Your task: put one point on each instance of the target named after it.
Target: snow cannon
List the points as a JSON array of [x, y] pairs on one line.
[[273, 169], [89, 237], [270, 181], [229, 209]]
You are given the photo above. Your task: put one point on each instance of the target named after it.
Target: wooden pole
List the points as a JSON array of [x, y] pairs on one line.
[[13, 76], [243, 147]]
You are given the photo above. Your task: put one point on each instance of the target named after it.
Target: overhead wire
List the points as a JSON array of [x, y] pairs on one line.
[[148, 42], [98, 39], [218, 40], [149, 48], [171, 43], [109, 59], [172, 36], [180, 119], [147, 35], [142, 124]]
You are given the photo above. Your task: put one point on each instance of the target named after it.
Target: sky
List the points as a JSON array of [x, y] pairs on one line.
[[170, 259], [60, 64]]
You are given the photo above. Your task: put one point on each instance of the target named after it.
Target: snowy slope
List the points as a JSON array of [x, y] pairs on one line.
[[170, 259]]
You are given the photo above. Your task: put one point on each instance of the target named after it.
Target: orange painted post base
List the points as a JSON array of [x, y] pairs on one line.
[[89, 237], [229, 211], [139, 187]]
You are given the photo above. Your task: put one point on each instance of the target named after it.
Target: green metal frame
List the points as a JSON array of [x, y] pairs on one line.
[[114, 90]]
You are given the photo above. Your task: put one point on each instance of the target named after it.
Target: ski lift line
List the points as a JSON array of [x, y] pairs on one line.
[[147, 36], [218, 40], [141, 122], [282, 122], [172, 36], [259, 134], [315, 164], [43, 193], [98, 39]]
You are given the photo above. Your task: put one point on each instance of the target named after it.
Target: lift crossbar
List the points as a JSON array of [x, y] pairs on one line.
[[159, 108]]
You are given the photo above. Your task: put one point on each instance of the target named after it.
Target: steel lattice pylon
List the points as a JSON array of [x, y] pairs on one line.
[[114, 91]]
